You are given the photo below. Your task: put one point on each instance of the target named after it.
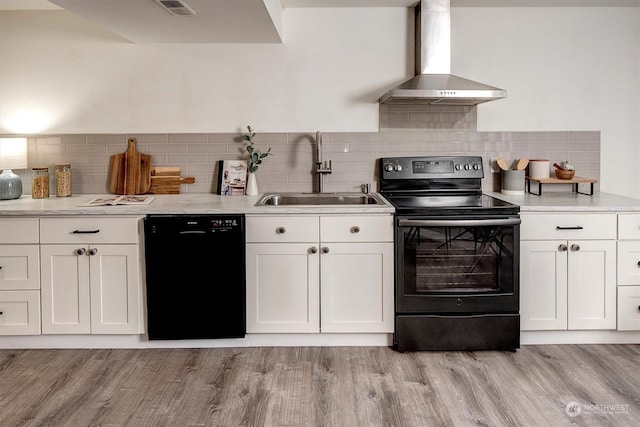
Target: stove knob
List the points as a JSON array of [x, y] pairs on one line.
[[476, 166], [467, 166], [388, 168], [397, 168], [458, 166]]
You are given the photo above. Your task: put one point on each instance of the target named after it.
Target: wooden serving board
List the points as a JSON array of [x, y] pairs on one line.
[[130, 171], [167, 180]]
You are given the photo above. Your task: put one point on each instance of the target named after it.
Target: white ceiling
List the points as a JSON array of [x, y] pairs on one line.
[[234, 21]]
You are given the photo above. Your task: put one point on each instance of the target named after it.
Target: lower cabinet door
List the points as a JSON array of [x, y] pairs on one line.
[[115, 289], [282, 288], [65, 289], [592, 284], [20, 313], [356, 287], [543, 285]]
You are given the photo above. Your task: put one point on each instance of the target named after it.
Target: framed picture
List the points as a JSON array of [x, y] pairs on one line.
[[232, 177]]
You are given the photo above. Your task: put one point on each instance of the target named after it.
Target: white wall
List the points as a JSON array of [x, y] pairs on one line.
[[328, 75], [564, 69]]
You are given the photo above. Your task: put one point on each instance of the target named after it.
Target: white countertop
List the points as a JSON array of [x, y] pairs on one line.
[[171, 204], [211, 204], [572, 202]]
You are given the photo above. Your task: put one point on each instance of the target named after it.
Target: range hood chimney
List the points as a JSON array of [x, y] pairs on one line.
[[434, 83]]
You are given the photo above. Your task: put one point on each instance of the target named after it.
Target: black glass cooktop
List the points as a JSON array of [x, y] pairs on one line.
[[454, 204]]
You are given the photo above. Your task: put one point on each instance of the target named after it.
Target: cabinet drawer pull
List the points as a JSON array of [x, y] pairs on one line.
[[1, 313], [85, 231], [638, 264], [355, 229], [577, 227], [281, 230], [313, 250], [562, 248], [80, 251], [575, 248], [93, 251], [325, 250]]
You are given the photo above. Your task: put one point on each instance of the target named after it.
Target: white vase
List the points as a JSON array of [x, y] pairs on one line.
[[252, 184]]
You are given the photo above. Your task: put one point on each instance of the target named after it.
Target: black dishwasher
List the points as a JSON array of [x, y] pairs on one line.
[[195, 271]]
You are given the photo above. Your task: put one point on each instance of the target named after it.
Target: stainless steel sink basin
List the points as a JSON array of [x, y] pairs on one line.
[[318, 199]]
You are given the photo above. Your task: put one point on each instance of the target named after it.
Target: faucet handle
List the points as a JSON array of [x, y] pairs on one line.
[[365, 188]]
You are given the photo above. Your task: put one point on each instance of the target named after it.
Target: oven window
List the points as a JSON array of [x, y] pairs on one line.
[[458, 259]]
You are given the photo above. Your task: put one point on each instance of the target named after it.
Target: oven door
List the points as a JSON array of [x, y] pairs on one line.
[[466, 265]]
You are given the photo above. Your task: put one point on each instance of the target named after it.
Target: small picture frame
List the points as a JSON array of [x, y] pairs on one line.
[[232, 177]]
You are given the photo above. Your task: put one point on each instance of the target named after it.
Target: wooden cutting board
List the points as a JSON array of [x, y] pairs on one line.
[[130, 171], [167, 180]]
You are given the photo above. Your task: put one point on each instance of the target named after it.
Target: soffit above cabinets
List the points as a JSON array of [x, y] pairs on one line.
[[218, 21]]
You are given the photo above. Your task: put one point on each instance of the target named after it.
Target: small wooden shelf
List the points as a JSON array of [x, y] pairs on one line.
[[574, 181]]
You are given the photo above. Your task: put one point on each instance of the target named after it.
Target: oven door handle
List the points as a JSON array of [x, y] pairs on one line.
[[457, 222]]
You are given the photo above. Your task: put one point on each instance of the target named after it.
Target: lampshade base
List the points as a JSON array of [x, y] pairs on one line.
[[10, 185]]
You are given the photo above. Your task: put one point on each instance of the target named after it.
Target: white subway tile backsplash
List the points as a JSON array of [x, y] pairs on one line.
[[406, 130]]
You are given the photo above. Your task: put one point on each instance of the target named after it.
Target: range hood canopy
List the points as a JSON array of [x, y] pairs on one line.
[[434, 83]]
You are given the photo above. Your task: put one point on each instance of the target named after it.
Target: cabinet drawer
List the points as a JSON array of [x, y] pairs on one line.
[[629, 263], [629, 226], [568, 226], [89, 230], [20, 313], [19, 267], [19, 230], [361, 228], [282, 229], [629, 308]]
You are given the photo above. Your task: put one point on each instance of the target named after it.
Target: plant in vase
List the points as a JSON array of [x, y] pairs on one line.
[[255, 160]]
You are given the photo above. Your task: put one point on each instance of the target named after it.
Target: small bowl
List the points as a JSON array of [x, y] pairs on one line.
[[565, 174]]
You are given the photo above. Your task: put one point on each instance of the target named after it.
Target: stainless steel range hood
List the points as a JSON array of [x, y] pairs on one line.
[[434, 83]]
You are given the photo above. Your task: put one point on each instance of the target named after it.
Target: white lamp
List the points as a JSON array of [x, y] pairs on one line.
[[13, 155]]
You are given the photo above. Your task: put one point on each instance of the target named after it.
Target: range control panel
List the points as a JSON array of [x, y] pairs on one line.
[[431, 167]]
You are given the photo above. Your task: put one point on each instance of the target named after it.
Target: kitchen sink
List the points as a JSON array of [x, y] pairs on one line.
[[318, 199]]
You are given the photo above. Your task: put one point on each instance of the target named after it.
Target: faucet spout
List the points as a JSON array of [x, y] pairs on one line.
[[321, 168]]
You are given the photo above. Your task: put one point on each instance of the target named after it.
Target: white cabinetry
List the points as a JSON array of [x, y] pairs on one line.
[[320, 273], [90, 276], [629, 272], [19, 277], [568, 271]]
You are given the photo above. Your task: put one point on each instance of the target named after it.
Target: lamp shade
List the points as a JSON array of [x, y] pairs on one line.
[[13, 153]]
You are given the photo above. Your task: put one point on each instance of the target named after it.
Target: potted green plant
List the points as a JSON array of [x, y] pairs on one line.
[[255, 160]]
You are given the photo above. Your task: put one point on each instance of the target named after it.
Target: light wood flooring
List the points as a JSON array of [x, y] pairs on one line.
[[321, 386]]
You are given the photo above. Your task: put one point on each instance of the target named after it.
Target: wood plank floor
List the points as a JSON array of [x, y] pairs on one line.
[[321, 386]]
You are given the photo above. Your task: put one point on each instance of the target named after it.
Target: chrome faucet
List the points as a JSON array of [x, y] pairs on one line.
[[321, 168]]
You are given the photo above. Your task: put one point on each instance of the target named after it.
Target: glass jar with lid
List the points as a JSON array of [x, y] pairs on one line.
[[40, 183], [63, 179]]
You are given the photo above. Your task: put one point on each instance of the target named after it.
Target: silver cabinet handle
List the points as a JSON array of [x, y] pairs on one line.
[[562, 248], [575, 247], [93, 251], [281, 230], [325, 250], [85, 231], [355, 229], [578, 227], [313, 250], [80, 251]]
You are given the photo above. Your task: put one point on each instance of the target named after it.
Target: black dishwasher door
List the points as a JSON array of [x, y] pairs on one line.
[[195, 270]]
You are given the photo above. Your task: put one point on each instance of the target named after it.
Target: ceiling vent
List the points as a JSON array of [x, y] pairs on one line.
[[176, 7]]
